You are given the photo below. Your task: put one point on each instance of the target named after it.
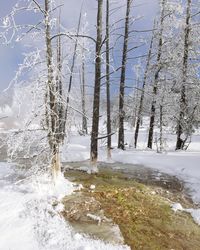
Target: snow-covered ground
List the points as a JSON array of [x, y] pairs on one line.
[[28, 221]]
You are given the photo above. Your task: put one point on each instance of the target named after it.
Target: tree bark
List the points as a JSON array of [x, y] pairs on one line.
[[108, 80], [161, 128], [140, 110], [96, 101], [183, 103], [71, 73], [156, 78], [51, 101], [59, 85], [84, 119], [123, 78]]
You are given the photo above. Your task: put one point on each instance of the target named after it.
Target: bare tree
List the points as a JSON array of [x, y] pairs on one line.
[[140, 110], [59, 85], [123, 78], [52, 112], [108, 79], [156, 76], [83, 97], [183, 103], [97, 86], [161, 127], [72, 71]]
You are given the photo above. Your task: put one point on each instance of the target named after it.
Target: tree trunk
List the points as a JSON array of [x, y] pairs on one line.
[[108, 80], [161, 128], [122, 79], [183, 104], [84, 118], [51, 101], [55, 162], [156, 78], [59, 85], [72, 72], [97, 86], [140, 110]]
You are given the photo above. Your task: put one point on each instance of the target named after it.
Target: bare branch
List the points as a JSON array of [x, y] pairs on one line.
[[72, 35], [105, 136], [39, 7]]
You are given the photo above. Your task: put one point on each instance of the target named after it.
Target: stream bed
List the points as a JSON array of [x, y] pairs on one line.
[[141, 174], [137, 199]]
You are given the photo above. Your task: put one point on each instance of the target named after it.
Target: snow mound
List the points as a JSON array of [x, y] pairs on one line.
[[195, 213], [177, 207]]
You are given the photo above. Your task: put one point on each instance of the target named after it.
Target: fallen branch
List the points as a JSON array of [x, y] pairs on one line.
[[105, 136]]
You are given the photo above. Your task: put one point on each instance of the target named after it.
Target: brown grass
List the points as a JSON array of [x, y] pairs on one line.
[[145, 218]]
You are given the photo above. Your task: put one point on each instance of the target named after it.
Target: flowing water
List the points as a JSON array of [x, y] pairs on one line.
[[139, 173], [144, 175]]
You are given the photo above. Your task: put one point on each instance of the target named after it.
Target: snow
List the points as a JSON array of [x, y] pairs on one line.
[[177, 207], [184, 165], [28, 219], [77, 149], [94, 217], [195, 213], [92, 187]]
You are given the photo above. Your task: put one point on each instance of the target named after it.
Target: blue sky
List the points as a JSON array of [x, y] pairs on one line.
[[11, 55]]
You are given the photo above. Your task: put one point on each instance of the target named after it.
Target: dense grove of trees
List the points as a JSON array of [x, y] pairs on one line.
[[76, 73]]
